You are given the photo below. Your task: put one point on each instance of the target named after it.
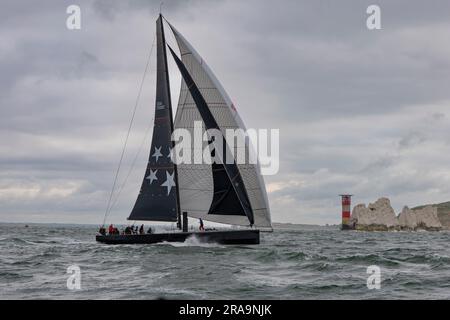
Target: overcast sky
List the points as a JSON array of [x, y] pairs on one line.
[[359, 111]]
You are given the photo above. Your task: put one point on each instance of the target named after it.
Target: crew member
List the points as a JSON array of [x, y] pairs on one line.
[[102, 230]]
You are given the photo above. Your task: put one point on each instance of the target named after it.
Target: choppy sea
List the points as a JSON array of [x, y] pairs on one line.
[[297, 262]]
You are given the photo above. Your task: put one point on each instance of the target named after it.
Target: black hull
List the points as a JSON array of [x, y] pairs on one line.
[[221, 237]]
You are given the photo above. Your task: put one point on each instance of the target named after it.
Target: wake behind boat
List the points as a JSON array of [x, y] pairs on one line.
[[226, 192]]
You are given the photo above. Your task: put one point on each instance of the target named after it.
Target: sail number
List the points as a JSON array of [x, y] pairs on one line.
[[227, 310]]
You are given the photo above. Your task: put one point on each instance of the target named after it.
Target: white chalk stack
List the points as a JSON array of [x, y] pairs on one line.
[[380, 216]]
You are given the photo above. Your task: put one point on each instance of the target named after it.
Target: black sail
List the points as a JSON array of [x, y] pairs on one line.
[[238, 195], [158, 198], [225, 200]]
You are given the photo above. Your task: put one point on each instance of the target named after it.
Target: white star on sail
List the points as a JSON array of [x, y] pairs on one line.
[[157, 153], [169, 183], [152, 176], [170, 155]]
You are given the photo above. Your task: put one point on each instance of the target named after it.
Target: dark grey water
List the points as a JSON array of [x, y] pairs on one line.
[[306, 263]]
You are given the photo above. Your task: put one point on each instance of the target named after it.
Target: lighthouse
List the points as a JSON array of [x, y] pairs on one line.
[[346, 207]]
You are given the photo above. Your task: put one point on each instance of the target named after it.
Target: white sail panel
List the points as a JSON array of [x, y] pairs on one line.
[[195, 180]]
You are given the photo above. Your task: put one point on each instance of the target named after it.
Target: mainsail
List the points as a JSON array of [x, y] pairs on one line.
[[158, 197], [203, 194]]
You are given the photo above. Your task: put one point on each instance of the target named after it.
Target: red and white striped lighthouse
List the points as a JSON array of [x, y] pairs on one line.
[[346, 208]]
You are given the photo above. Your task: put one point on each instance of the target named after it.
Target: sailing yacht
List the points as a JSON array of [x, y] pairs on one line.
[[227, 192]]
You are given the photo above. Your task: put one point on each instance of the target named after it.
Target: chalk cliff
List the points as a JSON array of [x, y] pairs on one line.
[[380, 216], [443, 212], [424, 218], [376, 216]]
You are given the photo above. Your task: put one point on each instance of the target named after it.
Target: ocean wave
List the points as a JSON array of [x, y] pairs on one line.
[[299, 255], [6, 275], [367, 259], [425, 258], [318, 264], [191, 242], [15, 240]]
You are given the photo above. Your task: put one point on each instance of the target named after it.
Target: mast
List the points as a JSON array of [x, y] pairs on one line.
[[166, 71], [158, 199]]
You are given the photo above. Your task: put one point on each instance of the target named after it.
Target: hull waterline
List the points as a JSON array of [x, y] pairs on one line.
[[220, 237]]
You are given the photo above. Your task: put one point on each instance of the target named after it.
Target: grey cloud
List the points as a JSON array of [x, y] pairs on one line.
[[413, 138], [360, 111]]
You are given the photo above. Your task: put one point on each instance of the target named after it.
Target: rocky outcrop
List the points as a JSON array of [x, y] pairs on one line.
[[424, 218], [407, 219], [376, 216], [380, 216], [443, 213]]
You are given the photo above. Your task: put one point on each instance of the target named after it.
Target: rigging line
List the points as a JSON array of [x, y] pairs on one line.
[[128, 133], [132, 165]]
